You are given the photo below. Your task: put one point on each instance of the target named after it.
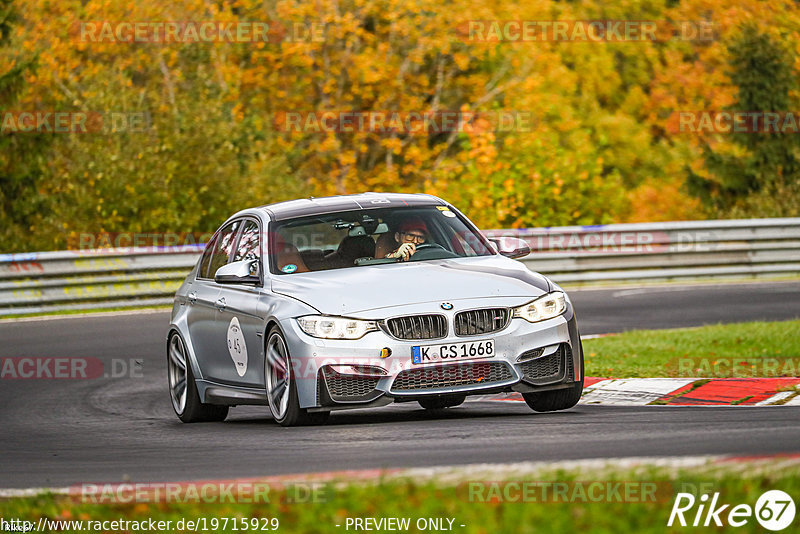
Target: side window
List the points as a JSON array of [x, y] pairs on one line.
[[247, 249], [466, 243], [202, 272], [222, 248]]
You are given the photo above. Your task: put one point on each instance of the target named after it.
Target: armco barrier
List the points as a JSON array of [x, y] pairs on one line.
[[748, 248], [663, 251]]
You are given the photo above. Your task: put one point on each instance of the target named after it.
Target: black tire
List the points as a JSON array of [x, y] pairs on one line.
[[195, 411], [294, 414], [440, 403], [559, 399]]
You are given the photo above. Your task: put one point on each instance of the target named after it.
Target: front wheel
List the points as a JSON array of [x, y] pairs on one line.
[[282, 388], [551, 401], [560, 399], [183, 389]]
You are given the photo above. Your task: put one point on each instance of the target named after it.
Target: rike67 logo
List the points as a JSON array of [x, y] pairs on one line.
[[774, 510]]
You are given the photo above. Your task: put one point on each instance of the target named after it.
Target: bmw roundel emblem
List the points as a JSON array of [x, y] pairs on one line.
[[447, 306]]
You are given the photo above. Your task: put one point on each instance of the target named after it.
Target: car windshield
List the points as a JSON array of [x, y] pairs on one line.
[[371, 237]]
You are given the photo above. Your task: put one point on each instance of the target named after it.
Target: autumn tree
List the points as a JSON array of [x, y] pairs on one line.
[[21, 154], [597, 150], [759, 178]]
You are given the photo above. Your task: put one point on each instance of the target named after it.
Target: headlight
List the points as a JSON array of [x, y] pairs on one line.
[[545, 307], [335, 327]]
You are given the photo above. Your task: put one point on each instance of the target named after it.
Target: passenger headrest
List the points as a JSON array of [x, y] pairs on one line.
[[357, 247]]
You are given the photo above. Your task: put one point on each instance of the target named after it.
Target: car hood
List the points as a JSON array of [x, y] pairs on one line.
[[359, 289]]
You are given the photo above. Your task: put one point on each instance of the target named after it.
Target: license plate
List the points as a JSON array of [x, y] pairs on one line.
[[450, 352]]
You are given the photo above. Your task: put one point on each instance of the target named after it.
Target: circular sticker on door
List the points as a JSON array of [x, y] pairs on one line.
[[237, 347]]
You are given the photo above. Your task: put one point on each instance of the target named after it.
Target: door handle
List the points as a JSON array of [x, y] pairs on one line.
[[221, 303], [192, 297]]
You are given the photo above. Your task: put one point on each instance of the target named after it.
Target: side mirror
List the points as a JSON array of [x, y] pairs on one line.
[[238, 272], [511, 247]]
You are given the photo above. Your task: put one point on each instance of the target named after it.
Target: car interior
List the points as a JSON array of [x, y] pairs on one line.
[[324, 244], [359, 242]]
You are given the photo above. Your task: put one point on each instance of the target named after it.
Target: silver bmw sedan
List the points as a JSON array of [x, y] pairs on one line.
[[322, 304]]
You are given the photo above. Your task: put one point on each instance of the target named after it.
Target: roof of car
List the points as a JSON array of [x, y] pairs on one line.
[[317, 206]]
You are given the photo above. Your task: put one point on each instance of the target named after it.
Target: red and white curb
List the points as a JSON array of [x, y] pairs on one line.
[[682, 392]]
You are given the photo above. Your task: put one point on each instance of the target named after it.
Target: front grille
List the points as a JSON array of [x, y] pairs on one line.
[[349, 388], [449, 376], [485, 321], [418, 327], [545, 369]]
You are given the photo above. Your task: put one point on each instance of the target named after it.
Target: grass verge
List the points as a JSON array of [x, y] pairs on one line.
[[766, 349], [605, 500]]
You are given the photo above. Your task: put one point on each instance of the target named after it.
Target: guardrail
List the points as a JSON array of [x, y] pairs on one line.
[[746, 248]]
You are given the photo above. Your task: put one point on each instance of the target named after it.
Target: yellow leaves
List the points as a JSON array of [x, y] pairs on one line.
[[330, 144], [596, 107], [393, 144], [415, 154], [461, 60], [238, 112]]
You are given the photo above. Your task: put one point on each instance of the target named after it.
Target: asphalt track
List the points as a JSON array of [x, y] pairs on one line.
[[64, 432]]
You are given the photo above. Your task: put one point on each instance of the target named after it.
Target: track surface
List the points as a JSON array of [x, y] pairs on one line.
[[62, 432]]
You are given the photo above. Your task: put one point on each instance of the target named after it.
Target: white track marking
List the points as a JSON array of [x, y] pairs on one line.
[[794, 402], [775, 398], [633, 391]]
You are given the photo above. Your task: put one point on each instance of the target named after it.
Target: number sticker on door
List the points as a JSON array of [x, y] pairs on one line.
[[237, 347]]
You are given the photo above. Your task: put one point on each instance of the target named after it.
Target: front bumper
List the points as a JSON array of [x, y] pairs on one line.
[[550, 350]]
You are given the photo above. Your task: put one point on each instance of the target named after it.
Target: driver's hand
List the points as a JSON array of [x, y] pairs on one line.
[[405, 251]]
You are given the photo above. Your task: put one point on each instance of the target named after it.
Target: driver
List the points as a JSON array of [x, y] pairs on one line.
[[409, 234]]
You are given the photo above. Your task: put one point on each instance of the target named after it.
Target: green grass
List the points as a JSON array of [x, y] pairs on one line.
[[426, 498], [656, 353]]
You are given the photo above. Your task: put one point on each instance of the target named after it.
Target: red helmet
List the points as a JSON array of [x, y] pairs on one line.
[[413, 224]]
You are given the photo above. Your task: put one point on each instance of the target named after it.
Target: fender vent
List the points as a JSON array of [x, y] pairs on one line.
[[547, 369], [350, 388]]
